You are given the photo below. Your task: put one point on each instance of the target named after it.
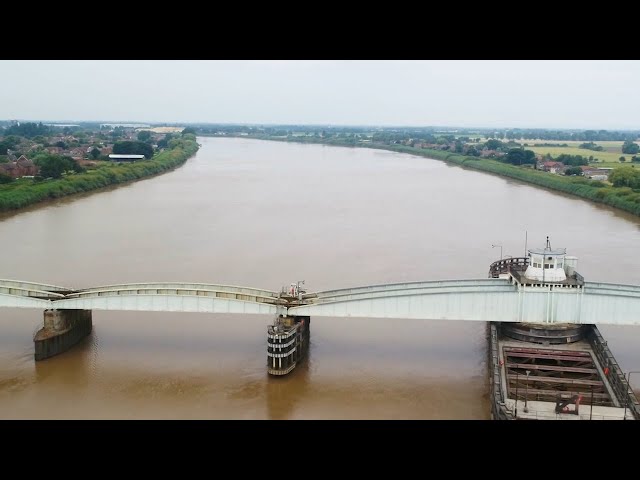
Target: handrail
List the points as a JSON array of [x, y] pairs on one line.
[[507, 264]]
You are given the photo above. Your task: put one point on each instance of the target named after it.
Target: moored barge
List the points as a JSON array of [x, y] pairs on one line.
[[540, 371]]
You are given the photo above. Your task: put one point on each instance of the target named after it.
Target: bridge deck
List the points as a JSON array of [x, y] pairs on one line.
[[489, 299], [546, 411]]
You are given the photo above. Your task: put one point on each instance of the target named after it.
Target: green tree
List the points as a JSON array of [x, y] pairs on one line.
[[630, 148], [190, 130], [5, 178], [9, 143], [573, 160], [622, 159], [573, 171], [117, 132], [519, 156], [133, 148], [591, 146], [144, 135], [472, 151], [53, 166], [28, 130], [625, 177], [165, 141], [95, 153], [493, 144]]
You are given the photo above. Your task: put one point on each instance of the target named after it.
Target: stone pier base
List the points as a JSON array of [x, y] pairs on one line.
[[62, 330]]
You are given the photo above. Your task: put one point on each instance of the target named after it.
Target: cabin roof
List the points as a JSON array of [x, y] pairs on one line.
[[548, 251]]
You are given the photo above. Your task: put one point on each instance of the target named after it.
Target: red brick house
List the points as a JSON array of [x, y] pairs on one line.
[[77, 154], [553, 167], [23, 167]]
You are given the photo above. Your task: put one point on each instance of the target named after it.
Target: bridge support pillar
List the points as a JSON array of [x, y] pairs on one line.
[[62, 330], [287, 343]]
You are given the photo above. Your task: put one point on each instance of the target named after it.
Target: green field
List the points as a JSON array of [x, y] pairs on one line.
[[609, 157], [604, 157]]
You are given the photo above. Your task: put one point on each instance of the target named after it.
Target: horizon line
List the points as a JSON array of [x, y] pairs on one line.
[[327, 125]]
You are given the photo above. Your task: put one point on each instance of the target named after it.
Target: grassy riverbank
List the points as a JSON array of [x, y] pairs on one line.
[[24, 192], [623, 198]]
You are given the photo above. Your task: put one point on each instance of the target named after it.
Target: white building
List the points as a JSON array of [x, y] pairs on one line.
[[117, 157], [549, 264]]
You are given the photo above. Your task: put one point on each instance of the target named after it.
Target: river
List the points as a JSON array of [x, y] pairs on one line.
[[265, 214]]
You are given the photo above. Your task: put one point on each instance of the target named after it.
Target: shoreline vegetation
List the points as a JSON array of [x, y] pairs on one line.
[[26, 192], [623, 198]]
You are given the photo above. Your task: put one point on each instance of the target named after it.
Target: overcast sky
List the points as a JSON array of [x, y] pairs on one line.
[[551, 94]]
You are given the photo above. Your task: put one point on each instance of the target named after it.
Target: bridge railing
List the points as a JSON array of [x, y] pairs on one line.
[[221, 293], [6, 283], [507, 264], [30, 292], [615, 375]]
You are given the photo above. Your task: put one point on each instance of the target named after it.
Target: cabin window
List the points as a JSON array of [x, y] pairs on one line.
[[548, 266], [560, 264]]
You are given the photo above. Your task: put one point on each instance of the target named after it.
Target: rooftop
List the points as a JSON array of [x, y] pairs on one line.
[[548, 251], [571, 281], [117, 155]]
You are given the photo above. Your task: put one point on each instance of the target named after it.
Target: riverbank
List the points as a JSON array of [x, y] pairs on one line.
[[623, 198], [25, 192]]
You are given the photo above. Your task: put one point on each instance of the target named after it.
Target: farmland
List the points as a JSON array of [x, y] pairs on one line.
[[609, 157]]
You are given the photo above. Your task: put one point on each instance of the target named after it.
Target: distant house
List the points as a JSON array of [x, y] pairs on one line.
[[553, 167], [23, 167], [595, 173], [125, 157], [8, 169], [54, 150], [77, 153]]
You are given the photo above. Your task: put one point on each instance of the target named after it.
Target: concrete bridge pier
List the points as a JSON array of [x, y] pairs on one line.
[[287, 343], [62, 330]]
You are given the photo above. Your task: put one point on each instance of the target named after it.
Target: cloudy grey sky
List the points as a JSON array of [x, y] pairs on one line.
[[561, 94]]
